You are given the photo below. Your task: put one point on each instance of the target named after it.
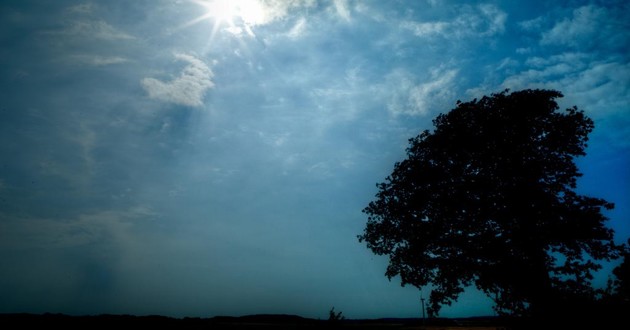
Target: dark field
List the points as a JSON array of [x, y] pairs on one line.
[[47, 321], [8, 321]]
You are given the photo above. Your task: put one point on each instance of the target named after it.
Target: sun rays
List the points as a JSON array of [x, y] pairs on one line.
[[233, 16], [230, 12]]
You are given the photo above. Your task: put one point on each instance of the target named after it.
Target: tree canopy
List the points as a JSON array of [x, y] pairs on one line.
[[487, 199], [622, 274]]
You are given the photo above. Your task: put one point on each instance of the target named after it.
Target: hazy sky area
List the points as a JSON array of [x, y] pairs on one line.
[[201, 158]]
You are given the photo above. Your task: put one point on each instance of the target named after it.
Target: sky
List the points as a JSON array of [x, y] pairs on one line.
[[201, 158]]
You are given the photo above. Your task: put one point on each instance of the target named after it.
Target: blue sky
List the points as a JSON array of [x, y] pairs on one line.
[[200, 158]]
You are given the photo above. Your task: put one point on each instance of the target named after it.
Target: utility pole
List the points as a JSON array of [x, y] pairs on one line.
[[422, 302]]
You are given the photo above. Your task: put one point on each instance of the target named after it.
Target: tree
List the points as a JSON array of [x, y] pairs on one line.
[[622, 274], [335, 317], [487, 199]]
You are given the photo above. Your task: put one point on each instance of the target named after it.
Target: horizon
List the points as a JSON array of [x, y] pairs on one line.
[[252, 316], [187, 158]]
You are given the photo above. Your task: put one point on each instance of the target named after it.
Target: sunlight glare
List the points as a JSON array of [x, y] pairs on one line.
[[234, 12]]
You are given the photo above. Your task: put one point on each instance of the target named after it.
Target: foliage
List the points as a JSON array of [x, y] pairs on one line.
[[622, 277], [487, 199], [334, 317]]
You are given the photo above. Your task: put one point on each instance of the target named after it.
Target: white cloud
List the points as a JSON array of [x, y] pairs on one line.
[[367, 11], [96, 60], [272, 10], [483, 20], [342, 9], [586, 21], [298, 29], [96, 29], [436, 91], [599, 86], [576, 60], [235, 30], [420, 99], [423, 29], [532, 24], [491, 21], [83, 8], [188, 88], [507, 63]]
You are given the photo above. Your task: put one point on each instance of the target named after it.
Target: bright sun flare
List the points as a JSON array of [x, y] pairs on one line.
[[233, 12]]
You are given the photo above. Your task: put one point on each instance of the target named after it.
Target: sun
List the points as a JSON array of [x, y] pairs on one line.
[[232, 12], [223, 11]]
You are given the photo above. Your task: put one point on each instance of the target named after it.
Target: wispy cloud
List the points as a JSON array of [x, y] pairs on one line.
[[341, 6], [298, 29], [483, 20], [94, 29], [82, 9], [97, 60], [601, 85], [418, 99], [584, 23], [272, 10], [534, 24], [592, 28], [490, 22], [187, 89], [426, 29]]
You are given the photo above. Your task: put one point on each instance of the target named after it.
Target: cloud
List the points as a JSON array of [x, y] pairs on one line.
[[483, 20], [532, 24], [342, 9], [419, 99], [583, 24], [600, 85], [422, 29], [96, 60], [591, 27], [82, 9], [187, 89], [574, 59], [272, 10], [298, 29], [491, 21], [95, 29]]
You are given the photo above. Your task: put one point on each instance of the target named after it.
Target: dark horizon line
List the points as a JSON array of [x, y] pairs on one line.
[[289, 321], [246, 316]]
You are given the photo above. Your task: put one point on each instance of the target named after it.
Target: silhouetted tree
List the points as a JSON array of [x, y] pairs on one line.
[[487, 199], [334, 317], [622, 275]]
